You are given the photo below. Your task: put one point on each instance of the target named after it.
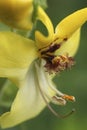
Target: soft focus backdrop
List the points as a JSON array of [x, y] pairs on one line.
[[72, 82]]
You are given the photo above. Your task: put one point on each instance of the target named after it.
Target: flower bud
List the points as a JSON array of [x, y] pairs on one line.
[[17, 13]]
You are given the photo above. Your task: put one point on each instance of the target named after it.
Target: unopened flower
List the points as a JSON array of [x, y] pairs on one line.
[[31, 64], [17, 13]]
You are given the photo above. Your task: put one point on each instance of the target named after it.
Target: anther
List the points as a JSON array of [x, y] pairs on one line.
[[58, 63], [68, 97]]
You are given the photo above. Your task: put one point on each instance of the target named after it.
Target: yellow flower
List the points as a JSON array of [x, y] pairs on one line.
[[28, 63], [17, 13]]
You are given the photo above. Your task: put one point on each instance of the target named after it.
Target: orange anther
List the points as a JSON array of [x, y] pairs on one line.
[[68, 97]]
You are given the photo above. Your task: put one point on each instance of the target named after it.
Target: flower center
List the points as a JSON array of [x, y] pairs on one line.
[[55, 63]]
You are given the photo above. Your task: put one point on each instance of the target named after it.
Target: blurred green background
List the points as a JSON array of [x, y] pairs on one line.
[[73, 81]]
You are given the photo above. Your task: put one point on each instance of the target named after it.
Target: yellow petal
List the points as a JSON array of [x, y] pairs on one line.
[[71, 23], [28, 102], [16, 54], [17, 13], [41, 40], [71, 45]]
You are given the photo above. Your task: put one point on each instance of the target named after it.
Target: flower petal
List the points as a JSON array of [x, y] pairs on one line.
[[71, 45], [28, 102], [71, 23], [16, 54], [42, 40], [17, 13]]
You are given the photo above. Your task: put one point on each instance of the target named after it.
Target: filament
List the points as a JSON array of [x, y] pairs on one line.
[[52, 110], [45, 100]]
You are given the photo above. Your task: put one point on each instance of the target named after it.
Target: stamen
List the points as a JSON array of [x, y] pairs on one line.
[[67, 97], [58, 63], [52, 110], [57, 99], [55, 63]]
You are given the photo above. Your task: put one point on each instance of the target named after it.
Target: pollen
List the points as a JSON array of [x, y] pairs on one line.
[[58, 63], [55, 63]]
